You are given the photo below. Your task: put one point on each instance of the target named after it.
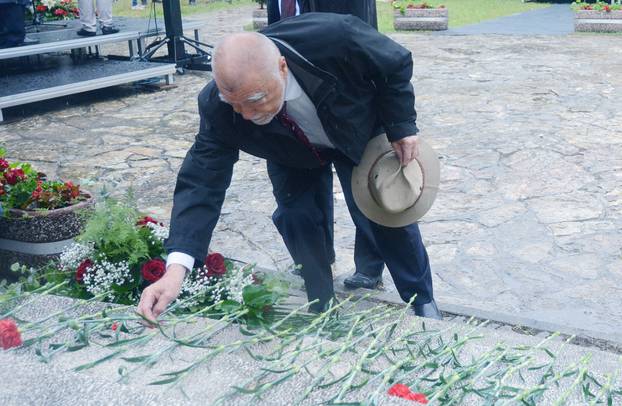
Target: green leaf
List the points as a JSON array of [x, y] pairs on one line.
[[97, 362]]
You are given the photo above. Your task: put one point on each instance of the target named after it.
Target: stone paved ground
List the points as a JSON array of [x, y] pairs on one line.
[[528, 128]]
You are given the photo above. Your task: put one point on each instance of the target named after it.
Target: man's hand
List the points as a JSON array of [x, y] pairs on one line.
[[406, 149], [156, 297]]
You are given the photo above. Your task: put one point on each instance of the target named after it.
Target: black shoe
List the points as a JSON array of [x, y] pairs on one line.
[[28, 41], [109, 30], [429, 310], [358, 280], [85, 33]]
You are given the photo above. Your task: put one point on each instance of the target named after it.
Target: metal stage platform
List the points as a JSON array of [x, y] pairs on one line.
[[64, 77], [59, 66]]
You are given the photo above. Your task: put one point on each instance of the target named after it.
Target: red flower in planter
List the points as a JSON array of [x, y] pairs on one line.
[[12, 176], [402, 391], [9, 334], [83, 269], [607, 9], [153, 270], [215, 264], [41, 8], [36, 194], [3, 164]]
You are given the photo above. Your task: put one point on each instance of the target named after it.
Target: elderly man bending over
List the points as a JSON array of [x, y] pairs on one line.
[[306, 91]]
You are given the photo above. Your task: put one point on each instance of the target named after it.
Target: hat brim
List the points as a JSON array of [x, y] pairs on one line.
[[430, 167]]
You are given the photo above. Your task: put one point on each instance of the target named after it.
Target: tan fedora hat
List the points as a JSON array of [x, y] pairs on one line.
[[392, 195]]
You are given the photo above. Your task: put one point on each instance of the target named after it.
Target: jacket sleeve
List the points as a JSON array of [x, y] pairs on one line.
[[390, 67], [202, 182]]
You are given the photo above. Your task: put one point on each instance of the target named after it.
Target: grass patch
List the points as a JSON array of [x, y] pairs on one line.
[[462, 12], [123, 8]]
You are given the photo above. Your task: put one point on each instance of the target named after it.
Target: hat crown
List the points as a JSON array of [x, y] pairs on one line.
[[395, 188]]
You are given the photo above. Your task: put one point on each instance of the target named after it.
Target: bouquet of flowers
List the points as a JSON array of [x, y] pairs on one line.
[[121, 252], [56, 9], [22, 187]]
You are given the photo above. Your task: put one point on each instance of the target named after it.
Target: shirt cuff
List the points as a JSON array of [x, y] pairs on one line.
[[181, 259]]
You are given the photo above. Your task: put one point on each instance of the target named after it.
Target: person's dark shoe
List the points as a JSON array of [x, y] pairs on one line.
[[109, 30], [358, 280], [85, 33], [28, 41], [429, 310]]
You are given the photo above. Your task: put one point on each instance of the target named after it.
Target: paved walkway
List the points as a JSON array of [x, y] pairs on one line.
[[529, 215], [555, 20]]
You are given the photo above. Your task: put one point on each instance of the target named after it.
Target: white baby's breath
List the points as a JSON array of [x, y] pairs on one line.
[[73, 255], [100, 277]]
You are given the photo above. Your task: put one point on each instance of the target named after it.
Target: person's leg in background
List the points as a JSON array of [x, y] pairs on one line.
[[12, 31], [87, 18], [302, 225], [104, 11]]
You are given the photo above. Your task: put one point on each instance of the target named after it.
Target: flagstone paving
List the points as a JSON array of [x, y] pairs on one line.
[[527, 222]]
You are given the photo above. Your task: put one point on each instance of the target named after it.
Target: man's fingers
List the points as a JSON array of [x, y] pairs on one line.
[[398, 150], [146, 304], [161, 304]]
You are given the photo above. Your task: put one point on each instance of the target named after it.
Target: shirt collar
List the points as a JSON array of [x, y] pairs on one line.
[[292, 88]]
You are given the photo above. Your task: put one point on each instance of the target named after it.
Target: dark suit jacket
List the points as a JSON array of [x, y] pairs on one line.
[[359, 81], [363, 9]]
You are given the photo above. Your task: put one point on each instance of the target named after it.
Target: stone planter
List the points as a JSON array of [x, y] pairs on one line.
[[35, 237], [429, 19], [598, 21], [260, 18]]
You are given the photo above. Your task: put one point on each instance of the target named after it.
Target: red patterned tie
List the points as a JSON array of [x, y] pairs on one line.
[[288, 8], [289, 122]]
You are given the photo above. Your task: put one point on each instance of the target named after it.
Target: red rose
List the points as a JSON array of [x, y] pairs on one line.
[[83, 269], [14, 175], [153, 270], [146, 220], [215, 264], [9, 334], [3, 164], [1, 190], [402, 391], [41, 7]]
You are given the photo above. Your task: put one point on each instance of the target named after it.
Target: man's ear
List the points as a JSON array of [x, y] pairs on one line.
[[283, 69]]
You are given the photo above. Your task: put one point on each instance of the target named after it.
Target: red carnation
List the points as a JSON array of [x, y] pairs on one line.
[[14, 175], [153, 270], [9, 334], [41, 7], [3, 164], [114, 326], [143, 221], [402, 391], [215, 264], [83, 269]]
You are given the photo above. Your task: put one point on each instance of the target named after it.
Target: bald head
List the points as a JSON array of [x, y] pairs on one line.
[[244, 57]]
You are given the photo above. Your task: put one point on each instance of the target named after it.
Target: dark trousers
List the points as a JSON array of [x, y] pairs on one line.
[[12, 31], [301, 220]]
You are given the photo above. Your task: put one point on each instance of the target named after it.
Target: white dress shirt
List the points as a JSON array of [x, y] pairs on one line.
[[303, 111]]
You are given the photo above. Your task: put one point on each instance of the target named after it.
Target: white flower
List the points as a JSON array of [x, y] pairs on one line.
[[73, 255], [103, 274], [160, 232]]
